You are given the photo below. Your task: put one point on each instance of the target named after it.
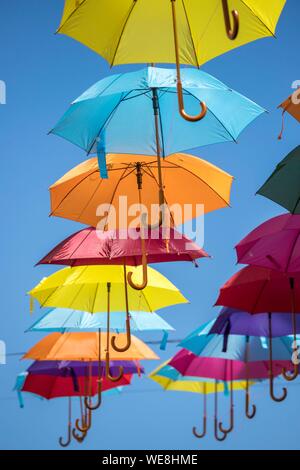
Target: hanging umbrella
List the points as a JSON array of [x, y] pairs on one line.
[[170, 379], [251, 358], [79, 193], [100, 289], [65, 320], [232, 321], [275, 244], [258, 290], [53, 386], [282, 186], [290, 106], [92, 247], [143, 32]]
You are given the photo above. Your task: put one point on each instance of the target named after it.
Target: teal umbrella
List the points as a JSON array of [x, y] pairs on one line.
[[283, 185]]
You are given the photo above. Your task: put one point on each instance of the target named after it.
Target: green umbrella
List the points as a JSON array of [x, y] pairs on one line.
[[283, 185]]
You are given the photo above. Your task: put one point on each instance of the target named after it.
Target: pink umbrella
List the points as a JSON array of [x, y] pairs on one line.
[[275, 245], [123, 247], [258, 290]]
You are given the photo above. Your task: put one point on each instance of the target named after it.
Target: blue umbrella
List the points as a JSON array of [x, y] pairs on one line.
[[65, 320], [136, 113]]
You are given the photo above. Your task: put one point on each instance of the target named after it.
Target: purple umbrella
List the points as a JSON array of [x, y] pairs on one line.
[[235, 322]]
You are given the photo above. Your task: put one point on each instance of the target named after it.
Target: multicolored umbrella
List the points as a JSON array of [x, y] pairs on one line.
[[282, 186], [259, 290], [170, 379], [143, 32]]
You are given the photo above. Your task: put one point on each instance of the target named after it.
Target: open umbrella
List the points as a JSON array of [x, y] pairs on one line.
[[282, 186], [290, 106], [252, 359], [92, 247], [168, 31], [258, 290], [65, 320], [170, 379]]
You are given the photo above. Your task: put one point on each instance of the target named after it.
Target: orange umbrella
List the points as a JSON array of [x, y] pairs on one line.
[[85, 347], [187, 180], [292, 106]]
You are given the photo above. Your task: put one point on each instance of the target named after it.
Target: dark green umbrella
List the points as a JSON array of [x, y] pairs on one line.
[[283, 186]]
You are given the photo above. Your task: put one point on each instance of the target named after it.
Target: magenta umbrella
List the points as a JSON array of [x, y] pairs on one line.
[[91, 246], [275, 244], [123, 247]]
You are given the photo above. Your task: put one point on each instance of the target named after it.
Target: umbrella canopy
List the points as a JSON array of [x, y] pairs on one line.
[[65, 320], [142, 31], [93, 247], [118, 114], [282, 186], [81, 369], [191, 365], [261, 246], [79, 193], [170, 379], [237, 348], [85, 288], [85, 347], [50, 386], [259, 290], [236, 322], [290, 106]]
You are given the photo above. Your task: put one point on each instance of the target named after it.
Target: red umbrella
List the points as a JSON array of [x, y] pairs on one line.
[[123, 247], [257, 290]]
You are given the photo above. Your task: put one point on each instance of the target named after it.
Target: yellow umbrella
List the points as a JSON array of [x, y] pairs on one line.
[[168, 31], [170, 379], [100, 288]]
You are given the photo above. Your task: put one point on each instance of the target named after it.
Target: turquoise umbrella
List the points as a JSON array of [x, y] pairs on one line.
[[65, 320], [136, 113]]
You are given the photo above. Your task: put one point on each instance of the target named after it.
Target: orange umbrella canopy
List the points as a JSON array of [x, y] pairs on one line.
[[187, 180], [292, 106], [85, 347]]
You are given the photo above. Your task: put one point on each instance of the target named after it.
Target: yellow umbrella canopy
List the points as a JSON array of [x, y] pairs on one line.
[[187, 180], [85, 288], [142, 31], [85, 347]]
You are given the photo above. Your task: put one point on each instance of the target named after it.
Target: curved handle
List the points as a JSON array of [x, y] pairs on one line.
[[145, 269], [218, 438], [84, 427], [79, 438], [182, 111], [96, 406], [231, 426], [69, 438], [232, 32], [272, 393], [249, 414], [203, 434], [128, 337], [293, 376], [108, 375]]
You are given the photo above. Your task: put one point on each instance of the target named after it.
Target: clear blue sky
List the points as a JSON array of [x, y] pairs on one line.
[[43, 73]]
